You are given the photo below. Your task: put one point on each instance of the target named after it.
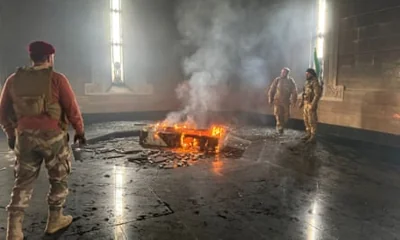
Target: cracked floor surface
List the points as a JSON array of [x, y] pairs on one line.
[[279, 189]]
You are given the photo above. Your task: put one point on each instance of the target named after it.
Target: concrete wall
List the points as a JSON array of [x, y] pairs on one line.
[[369, 64]]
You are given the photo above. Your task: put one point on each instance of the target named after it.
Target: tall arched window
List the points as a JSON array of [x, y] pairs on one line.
[[116, 42]]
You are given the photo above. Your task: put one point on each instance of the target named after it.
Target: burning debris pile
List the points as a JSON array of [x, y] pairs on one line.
[[183, 144], [167, 147], [184, 137]]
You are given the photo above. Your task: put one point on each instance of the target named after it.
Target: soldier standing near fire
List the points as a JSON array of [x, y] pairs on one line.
[[36, 104], [282, 94], [312, 93]]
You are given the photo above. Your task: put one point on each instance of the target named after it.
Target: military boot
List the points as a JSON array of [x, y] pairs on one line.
[[311, 139], [14, 226], [306, 137], [56, 221]]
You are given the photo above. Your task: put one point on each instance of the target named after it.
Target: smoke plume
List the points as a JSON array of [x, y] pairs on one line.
[[234, 39]]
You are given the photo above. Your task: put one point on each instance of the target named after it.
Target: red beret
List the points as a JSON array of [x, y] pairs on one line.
[[40, 47]]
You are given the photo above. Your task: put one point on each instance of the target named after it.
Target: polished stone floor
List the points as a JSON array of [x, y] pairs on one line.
[[279, 189]]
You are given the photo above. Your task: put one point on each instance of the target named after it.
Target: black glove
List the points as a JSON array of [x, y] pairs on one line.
[[11, 143], [80, 138]]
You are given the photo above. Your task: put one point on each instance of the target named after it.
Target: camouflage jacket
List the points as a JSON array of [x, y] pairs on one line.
[[283, 90], [312, 91]]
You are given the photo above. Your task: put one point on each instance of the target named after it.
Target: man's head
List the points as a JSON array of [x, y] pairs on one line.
[[41, 53], [310, 73], [285, 72]]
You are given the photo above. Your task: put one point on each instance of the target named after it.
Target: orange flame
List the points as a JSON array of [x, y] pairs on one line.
[[187, 130], [217, 131], [396, 116]]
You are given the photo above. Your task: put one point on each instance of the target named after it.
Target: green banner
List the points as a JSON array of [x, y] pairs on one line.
[[317, 64]]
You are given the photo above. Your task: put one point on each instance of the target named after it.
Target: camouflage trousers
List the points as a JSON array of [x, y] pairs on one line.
[[32, 148], [310, 119], [282, 114]]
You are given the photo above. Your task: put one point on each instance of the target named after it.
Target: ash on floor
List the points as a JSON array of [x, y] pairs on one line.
[[129, 150]]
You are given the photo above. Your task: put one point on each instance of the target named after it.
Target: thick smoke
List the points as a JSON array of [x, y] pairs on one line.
[[233, 39]]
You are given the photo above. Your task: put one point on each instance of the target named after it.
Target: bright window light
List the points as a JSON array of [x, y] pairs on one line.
[[116, 5], [321, 28], [116, 41], [116, 50], [115, 27]]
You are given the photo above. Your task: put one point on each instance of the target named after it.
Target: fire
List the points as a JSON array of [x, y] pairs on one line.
[[191, 138], [396, 116], [217, 131]]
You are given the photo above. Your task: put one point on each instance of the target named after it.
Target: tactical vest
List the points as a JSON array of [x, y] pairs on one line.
[[32, 91], [308, 90], [284, 89]]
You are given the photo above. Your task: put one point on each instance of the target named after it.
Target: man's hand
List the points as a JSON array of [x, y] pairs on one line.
[[313, 107], [301, 105], [11, 143], [80, 138], [270, 101]]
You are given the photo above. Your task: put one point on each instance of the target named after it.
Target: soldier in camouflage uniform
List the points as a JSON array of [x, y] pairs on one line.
[[36, 104], [310, 98], [282, 93]]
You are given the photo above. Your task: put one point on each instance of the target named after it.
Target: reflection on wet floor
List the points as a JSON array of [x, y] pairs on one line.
[[119, 201], [278, 189], [217, 165], [312, 233]]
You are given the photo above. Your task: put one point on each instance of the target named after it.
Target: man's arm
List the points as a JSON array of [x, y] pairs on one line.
[[317, 93], [70, 106], [6, 110], [293, 92], [272, 90]]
